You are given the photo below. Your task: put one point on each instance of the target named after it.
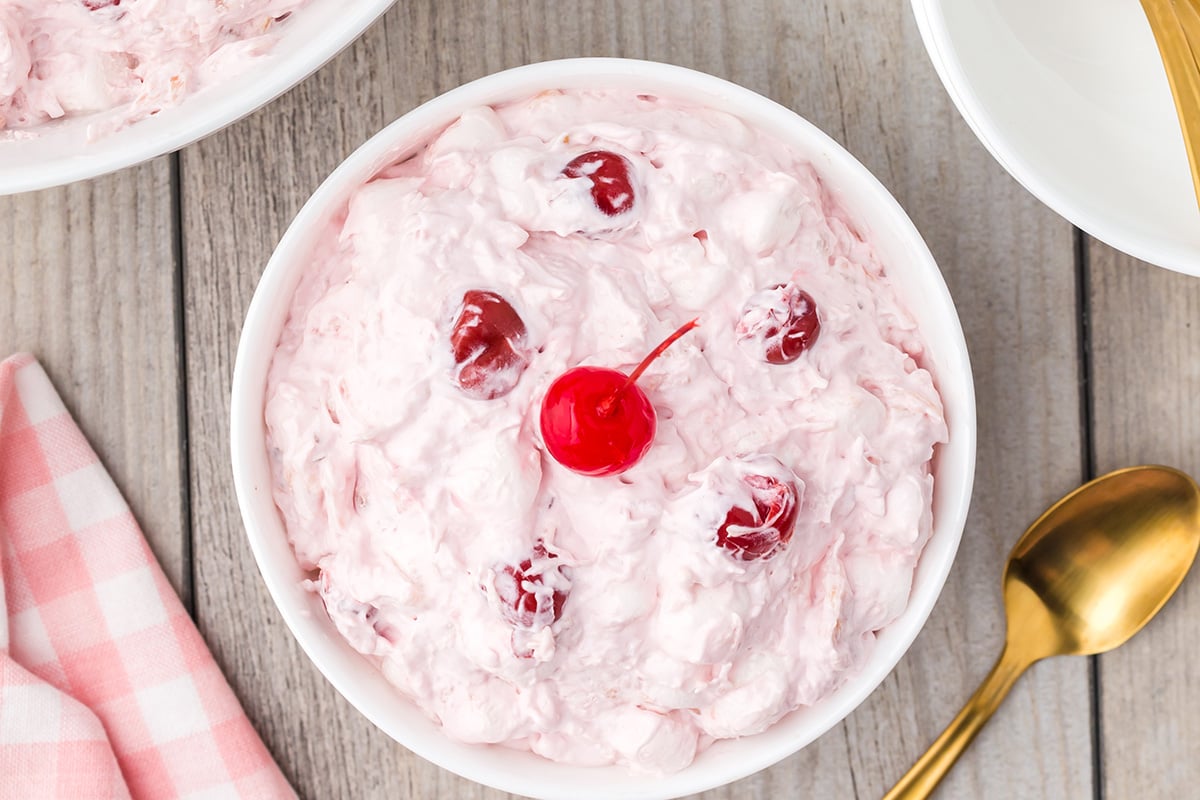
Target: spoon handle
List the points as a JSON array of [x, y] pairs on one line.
[[927, 773], [1176, 27]]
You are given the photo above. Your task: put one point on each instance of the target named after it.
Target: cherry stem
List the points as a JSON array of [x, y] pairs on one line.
[[607, 404]]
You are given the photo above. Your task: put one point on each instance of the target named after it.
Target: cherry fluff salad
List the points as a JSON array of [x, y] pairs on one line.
[[600, 428], [62, 58]]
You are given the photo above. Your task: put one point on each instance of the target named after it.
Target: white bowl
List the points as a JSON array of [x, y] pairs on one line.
[[915, 275], [61, 153], [1071, 98]]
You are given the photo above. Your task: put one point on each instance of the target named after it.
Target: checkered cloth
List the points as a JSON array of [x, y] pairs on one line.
[[106, 688]]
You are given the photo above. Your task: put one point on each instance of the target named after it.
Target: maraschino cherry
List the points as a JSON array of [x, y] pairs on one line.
[[525, 600], [598, 421], [488, 343], [765, 526], [779, 323], [612, 189]]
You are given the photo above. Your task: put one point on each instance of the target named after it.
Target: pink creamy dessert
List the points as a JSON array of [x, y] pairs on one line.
[[741, 568], [61, 58]]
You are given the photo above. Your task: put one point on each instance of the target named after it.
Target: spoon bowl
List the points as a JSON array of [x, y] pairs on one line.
[[1091, 572], [1087, 575]]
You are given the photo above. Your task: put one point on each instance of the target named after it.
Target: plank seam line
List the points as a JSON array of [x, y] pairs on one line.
[[850, 760], [188, 589], [1088, 468]]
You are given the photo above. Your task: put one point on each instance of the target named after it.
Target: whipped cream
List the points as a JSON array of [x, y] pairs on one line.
[[635, 637], [62, 58]]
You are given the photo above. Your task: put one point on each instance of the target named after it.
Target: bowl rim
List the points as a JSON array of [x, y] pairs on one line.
[[248, 390], [178, 126], [1109, 229]]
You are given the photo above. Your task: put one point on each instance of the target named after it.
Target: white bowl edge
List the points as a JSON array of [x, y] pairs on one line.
[[931, 25], [61, 153]]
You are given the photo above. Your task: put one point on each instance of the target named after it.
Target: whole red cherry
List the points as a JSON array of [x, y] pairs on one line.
[[779, 323], [488, 341], [598, 421], [593, 424], [764, 526], [525, 600], [612, 189]]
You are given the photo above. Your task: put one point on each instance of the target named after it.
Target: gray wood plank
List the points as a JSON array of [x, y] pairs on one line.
[[1145, 335], [240, 190], [1009, 264], [857, 70], [88, 277]]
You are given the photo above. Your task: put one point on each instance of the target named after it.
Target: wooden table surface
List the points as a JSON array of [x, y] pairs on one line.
[[131, 290]]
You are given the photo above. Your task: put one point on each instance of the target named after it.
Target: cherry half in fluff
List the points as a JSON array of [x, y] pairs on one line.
[[612, 189], [764, 526], [525, 599], [598, 421], [488, 341], [779, 323]]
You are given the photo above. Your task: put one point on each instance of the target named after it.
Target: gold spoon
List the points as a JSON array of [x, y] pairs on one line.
[[1087, 575], [1176, 27]]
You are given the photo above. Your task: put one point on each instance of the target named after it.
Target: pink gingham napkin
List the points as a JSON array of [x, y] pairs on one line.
[[106, 688]]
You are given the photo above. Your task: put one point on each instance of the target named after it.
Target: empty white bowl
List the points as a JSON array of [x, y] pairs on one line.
[[1071, 98], [61, 152], [914, 274]]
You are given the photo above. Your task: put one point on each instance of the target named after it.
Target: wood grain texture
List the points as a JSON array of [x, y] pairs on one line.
[[1145, 325], [88, 277], [239, 191], [1009, 266], [857, 70]]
